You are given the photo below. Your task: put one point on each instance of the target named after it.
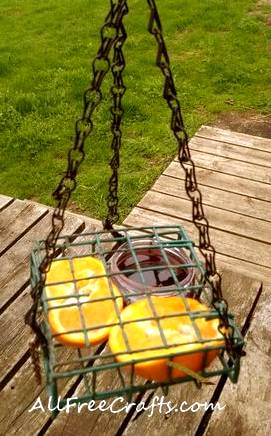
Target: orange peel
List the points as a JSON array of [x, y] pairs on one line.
[[73, 314], [178, 331]]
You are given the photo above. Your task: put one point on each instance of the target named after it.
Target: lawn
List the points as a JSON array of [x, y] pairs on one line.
[[220, 53]]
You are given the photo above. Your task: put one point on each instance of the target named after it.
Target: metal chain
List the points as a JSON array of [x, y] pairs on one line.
[[113, 35], [117, 90], [191, 186], [110, 33]]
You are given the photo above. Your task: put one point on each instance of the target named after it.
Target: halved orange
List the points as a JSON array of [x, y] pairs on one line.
[[179, 331], [72, 310]]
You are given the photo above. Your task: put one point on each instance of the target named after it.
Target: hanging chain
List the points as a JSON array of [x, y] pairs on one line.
[[110, 33], [113, 34], [117, 90], [191, 186]]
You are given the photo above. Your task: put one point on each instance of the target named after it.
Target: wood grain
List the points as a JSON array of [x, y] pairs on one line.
[[229, 201], [225, 182], [14, 344], [5, 201], [15, 262], [228, 244], [241, 174], [18, 396], [258, 272], [232, 151], [142, 217], [16, 220], [250, 228], [248, 404], [242, 139], [94, 422], [230, 166]]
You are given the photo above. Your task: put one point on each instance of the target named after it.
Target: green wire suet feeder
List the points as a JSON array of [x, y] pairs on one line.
[[150, 263]]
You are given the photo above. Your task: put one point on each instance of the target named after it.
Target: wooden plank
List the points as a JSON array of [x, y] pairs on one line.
[[20, 394], [221, 222], [142, 217], [16, 398], [230, 166], [15, 417], [255, 157], [5, 201], [242, 139], [258, 272], [14, 344], [248, 405], [14, 263], [229, 201], [225, 182], [250, 228], [94, 422], [186, 423], [91, 223], [16, 220]]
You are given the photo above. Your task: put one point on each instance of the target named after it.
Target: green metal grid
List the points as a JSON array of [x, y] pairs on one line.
[[96, 365]]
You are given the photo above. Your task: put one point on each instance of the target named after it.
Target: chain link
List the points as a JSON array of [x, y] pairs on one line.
[[117, 90], [191, 185], [111, 33]]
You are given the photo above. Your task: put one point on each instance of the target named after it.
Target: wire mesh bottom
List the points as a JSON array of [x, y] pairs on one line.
[[89, 287]]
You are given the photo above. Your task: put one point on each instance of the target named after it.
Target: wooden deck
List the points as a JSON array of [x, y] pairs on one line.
[[234, 172], [234, 175]]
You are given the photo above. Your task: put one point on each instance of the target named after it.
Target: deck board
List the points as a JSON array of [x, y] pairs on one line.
[[231, 166], [5, 201], [236, 138], [236, 264], [235, 178], [248, 404], [238, 248], [222, 199], [236, 194], [224, 182], [232, 151], [21, 216], [15, 274], [219, 219], [95, 422], [19, 396], [14, 344], [18, 419]]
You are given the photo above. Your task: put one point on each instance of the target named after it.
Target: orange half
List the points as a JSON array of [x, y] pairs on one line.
[[72, 309], [178, 331]]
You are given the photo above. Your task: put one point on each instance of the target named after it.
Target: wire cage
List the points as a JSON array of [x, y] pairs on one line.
[[104, 300]]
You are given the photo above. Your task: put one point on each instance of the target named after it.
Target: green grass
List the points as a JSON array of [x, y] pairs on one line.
[[219, 51]]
